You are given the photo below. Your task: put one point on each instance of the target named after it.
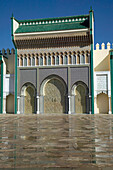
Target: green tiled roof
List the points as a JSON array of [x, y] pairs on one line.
[[53, 24]]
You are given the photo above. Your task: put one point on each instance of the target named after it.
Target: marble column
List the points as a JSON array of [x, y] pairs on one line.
[[38, 105], [18, 105], [69, 112], [4, 105], [109, 105], [90, 112]]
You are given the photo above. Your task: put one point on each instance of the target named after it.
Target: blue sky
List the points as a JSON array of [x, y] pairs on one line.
[[32, 9]]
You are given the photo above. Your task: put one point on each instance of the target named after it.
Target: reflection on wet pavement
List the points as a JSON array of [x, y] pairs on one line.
[[65, 141]]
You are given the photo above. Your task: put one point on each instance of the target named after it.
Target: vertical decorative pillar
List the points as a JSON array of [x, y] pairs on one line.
[[69, 89], [111, 71], [91, 62], [47, 59], [1, 110], [69, 97], [38, 104], [23, 60], [15, 103], [27, 60], [90, 104], [4, 105], [55, 59], [72, 58], [15, 83], [18, 102], [52, 59]]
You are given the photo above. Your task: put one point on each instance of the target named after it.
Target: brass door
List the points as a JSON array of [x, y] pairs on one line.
[[54, 100], [29, 100], [80, 100]]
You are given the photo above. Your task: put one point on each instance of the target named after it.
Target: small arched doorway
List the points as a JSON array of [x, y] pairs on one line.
[[80, 97], [54, 89], [102, 103], [28, 91], [10, 103]]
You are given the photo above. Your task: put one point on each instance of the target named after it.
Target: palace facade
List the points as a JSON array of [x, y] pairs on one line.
[[51, 69]]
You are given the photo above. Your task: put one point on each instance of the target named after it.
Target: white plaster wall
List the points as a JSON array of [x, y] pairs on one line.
[[101, 61], [15, 25], [8, 84], [101, 58]]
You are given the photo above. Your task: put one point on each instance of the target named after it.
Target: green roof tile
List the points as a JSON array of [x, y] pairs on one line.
[[53, 24]]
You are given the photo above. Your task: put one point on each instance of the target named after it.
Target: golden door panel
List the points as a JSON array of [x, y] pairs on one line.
[[102, 103], [10, 103], [80, 100], [54, 101], [29, 100]]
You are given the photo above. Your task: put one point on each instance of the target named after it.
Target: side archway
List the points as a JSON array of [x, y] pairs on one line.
[[102, 103], [10, 103], [53, 89], [28, 92], [80, 93]]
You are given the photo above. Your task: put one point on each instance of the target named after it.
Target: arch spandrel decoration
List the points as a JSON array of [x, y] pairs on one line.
[[54, 91], [28, 92]]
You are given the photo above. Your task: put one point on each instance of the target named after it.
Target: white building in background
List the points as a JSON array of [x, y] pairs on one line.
[[102, 83]]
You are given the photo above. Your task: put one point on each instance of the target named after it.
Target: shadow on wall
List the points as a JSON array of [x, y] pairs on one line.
[[104, 65]]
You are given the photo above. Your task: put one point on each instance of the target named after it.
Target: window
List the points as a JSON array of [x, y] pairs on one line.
[[57, 60], [65, 59], [53, 60], [82, 59], [78, 59], [21, 61], [49, 60], [74, 59], [25, 61], [18, 62], [33, 61], [41, 60]]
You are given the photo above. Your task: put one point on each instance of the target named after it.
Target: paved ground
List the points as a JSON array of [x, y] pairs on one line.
[[61, 141]]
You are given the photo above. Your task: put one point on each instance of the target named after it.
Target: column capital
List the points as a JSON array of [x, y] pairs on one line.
[[38, 97]]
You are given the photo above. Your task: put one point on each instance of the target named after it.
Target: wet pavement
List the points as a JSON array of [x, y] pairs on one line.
[[61, 141]]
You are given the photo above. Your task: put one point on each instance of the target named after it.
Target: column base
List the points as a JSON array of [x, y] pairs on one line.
[[4, 112], [109, 112], [69, 112], [18, 112], [37, 112]]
